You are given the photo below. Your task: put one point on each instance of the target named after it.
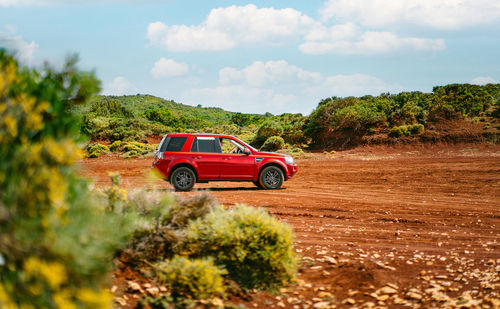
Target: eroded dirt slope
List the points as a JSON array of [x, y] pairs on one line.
[[415, 227]]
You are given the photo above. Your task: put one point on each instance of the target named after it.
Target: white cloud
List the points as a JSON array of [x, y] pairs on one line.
[[119, 86], [269, 73], [277, 86], [226, 28], [349, 39], [441, 14], [165, 68], [483, 80], [234, 26], [22, 50]]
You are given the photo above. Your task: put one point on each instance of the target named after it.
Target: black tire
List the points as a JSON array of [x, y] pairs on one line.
[[257, 184], [183, 179], [271, 177]]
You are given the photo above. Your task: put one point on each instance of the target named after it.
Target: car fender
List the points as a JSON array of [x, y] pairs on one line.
[[183, 161], [271, 161]]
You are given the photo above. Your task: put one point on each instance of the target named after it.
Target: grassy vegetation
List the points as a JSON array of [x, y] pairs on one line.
[[341, 121], [347, 120]]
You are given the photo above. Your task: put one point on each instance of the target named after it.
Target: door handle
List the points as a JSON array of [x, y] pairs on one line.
[[197, 157], [227, 158]]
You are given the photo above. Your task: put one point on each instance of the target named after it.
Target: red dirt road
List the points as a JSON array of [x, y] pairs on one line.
[[414, 227]]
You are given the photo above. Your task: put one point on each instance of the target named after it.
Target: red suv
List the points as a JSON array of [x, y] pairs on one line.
[[185, 159]]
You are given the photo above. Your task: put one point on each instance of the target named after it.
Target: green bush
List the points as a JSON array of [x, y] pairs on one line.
[[269, 128], [160, 223], [255, 248], [273, 143], [135, 149], [356, 117], [94, 150], [193, 278], [407, 130], [416, 129], [398, 131]]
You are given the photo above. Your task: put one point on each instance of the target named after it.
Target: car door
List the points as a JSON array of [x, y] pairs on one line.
[[237, 166], [205, 153]]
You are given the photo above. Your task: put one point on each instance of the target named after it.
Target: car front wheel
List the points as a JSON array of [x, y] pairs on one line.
[[183, 179], [271, 178]]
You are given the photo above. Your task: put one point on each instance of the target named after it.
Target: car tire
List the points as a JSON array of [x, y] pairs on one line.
[[183, 179], [271, 177]]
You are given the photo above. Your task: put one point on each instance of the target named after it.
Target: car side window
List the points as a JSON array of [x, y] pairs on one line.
[[174, 143], [231, 146], [206, 144]]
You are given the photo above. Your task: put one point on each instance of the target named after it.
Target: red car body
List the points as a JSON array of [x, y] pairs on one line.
[[202, 153]]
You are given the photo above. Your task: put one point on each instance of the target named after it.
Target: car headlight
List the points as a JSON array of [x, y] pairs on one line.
[[289, 160]]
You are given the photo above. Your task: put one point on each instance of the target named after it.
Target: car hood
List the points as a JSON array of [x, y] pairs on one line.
[[271, 154]]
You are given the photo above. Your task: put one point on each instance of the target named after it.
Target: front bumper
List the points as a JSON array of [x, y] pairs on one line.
[[292, 169]]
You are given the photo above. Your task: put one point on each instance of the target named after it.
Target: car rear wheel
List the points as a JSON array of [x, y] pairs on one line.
[[271, 177], [183, 179]]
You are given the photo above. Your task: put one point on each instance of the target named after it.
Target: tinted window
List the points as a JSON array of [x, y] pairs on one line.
[[206, 144], [175, 143]]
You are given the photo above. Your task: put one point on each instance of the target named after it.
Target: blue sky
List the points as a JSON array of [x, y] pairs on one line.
[[261, 56]]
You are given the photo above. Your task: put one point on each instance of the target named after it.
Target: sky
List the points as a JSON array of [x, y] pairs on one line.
[[261, 56]]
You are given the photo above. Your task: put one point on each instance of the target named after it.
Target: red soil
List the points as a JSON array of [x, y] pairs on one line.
[[425, 220]]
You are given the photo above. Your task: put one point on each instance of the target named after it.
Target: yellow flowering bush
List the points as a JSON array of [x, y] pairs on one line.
[[56, 239], [196, 278]]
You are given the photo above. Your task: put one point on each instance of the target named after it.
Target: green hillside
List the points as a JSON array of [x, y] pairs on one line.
[[451, 113], [134, 118]]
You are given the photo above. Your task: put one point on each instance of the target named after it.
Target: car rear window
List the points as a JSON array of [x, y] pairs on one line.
[[173, 144], [206, 144]]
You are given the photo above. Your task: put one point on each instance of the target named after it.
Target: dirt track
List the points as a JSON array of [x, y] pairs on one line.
[[421, 223]]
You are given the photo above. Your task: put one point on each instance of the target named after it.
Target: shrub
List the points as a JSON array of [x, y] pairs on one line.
[[396, 132], [196, 278], [56, 240], [408, 130], [252, 246], [135, 149], [273, 143], [115, 146], [356, 117], [94, 150], [416, 129], [160, 221], [269, 128]]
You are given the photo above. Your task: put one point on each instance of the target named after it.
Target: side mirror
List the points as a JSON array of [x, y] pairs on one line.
[[247, 151]]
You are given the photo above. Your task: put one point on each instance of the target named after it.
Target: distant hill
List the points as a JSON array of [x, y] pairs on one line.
[[451, 113]]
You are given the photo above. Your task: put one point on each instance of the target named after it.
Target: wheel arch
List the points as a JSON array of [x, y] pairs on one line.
[[182, 165], [272, 164]]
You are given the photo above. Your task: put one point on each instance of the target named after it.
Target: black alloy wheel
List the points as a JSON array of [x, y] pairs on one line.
[[183, 179], [271, 178]]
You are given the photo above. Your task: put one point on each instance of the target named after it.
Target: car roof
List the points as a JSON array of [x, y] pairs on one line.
[[199, 134]]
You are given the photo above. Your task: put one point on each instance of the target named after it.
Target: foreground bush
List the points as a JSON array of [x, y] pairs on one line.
[[273, 143], [160, 223], [252, 246], [56, 241], [197, 278]]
